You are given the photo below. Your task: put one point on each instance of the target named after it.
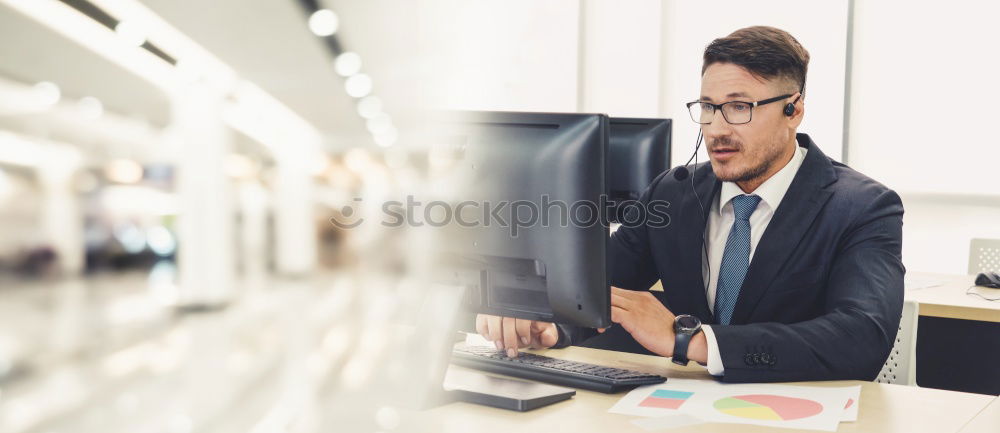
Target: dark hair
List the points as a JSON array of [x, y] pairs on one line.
[[766, 52]]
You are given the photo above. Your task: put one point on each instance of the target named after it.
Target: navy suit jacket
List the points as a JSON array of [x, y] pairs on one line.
[[822, 297]]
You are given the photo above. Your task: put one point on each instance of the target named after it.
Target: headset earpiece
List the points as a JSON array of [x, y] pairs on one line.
[[789, 109]]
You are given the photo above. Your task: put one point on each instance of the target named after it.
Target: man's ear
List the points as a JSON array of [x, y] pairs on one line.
[[800, 109]]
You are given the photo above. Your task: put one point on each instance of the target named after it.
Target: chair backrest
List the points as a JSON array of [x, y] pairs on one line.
[[901, 367], [984, 256]]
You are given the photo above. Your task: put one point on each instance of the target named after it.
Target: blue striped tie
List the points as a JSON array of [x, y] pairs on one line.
[[735, 258]]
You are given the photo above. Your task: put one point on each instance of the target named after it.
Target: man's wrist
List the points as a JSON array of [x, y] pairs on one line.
[[698, 349]]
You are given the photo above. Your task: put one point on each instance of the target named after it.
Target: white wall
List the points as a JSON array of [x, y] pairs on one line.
[[937, 229], [620, 58], [518, 55], [923, 100], [925, 93]]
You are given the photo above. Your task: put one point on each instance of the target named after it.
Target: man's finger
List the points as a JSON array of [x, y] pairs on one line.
[[620, 301], [624, 293], [523, 330], [548, 337], [538, 326], [510, 336], [481, 327], [618, 315], [494, 327]]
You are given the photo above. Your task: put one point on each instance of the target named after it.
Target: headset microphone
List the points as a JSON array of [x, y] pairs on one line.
[[682, 172]]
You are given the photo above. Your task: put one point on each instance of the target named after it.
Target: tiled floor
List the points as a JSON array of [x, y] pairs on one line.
[[104, 354]]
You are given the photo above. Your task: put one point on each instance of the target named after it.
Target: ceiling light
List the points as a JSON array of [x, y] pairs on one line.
[[386, 137], [47, 93], [369, 107], [358, 85], [130, 33], [323, 22], [379, 125], [90, 107], [348, 64], [386, 140]]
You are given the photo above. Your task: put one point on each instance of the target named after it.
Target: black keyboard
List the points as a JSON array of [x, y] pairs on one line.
[[552, 370]]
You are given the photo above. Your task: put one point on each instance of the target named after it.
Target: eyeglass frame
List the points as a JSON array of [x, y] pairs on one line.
[[718, 107]]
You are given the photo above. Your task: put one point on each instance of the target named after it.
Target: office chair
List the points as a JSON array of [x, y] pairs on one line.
[[984, 256], [901, 367]]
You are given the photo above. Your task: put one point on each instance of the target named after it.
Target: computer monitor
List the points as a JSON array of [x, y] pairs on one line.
[[547, 264], [638, 151]]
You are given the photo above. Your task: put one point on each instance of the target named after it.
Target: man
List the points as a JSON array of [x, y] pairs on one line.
[[790, 261]]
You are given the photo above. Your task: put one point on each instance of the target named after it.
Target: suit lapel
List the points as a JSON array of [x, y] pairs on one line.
[[692, 224], [805, 197]]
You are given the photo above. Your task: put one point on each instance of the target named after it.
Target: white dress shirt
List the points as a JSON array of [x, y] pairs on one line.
[[720, 222]]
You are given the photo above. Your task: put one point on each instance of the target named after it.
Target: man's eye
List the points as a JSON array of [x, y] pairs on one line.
[[740, 107]]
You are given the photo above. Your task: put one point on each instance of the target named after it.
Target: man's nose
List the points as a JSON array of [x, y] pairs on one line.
[[718, 128]]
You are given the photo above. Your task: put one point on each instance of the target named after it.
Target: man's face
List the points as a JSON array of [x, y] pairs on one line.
[[750, 151]]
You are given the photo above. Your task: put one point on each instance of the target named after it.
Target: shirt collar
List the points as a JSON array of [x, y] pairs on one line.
[[773, 189]]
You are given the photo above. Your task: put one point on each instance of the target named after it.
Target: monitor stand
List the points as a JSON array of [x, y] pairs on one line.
[[471, 386]]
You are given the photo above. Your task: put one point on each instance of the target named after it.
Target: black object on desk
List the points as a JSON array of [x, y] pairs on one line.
[[558, 371], [511, 394], [988, 279]]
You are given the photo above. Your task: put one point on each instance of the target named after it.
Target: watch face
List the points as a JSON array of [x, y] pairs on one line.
[[687, 322]]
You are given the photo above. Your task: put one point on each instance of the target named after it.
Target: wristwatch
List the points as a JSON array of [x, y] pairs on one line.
[[686, 327]]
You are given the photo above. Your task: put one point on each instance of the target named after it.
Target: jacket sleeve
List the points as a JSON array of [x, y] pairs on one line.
[[629, 262], [863, 302]]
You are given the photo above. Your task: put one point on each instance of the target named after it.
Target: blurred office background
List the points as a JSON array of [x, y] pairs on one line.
[[169, 169]]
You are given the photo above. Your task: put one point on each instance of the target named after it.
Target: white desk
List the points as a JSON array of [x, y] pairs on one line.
[[949, 299], [884, 408], [987, 421]]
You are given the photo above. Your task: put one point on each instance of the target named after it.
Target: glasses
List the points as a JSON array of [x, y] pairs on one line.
[[735, 112]]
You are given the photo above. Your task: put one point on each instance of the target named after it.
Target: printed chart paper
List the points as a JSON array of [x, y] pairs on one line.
[[851, 408], [816, 408]]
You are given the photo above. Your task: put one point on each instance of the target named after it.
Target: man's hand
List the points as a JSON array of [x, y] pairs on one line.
[[510, 333], [643, 316], [652, 324]]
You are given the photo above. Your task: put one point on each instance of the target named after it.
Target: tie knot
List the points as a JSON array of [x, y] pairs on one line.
[[744, 205]]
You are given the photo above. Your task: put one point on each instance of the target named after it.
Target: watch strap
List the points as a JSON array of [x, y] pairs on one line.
[[681, 341]]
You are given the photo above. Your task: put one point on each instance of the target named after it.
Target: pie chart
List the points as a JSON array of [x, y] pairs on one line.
[[768, 407]]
